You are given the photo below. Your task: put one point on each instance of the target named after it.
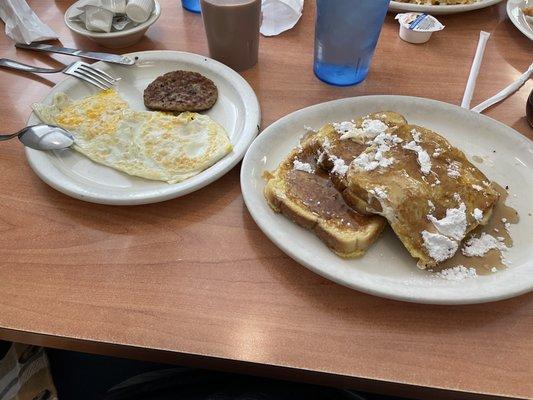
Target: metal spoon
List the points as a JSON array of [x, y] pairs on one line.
[[43, 137]]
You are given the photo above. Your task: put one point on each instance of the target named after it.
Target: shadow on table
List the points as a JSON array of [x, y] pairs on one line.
[[49, 61], [27, 75], [180, 212], [504, 32], [88, 377]]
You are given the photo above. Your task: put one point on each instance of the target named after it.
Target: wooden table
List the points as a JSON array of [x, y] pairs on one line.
[[194, 281]]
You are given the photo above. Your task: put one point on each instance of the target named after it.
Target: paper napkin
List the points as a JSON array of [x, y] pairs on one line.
[[280, 15], [22, 24]]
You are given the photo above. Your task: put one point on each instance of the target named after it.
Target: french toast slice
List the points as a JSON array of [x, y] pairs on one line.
[[431, 195], [304, 193]]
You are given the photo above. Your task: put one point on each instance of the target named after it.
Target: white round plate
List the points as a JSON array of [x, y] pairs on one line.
[[396, 6], [517, 17], [387, 269], [236, 109]]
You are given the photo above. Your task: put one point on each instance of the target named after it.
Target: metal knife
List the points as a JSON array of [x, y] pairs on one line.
[[112, 58]]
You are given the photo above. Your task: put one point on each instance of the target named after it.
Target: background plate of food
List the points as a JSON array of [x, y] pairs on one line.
[[424, 165], [520, 13], [439, 7], [174, 123]]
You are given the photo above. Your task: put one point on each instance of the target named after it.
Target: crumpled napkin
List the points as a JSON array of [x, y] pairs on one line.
[[279, 15], [22, 24]]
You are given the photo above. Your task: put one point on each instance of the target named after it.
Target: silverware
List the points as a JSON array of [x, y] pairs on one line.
[[42, 137], [112, 58], [79, 69]]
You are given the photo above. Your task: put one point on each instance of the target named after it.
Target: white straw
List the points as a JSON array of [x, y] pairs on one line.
[[513, 87], [474, 70]]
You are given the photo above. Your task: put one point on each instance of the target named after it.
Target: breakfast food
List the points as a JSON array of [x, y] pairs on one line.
[[303, 191], [181, 91], [528, 11], [431, 195], [147, 144], [426, 189]]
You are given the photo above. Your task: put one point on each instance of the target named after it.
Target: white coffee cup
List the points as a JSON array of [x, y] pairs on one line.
[[139, 10]]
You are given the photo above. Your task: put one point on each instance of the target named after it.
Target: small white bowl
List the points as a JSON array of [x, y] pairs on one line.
[[112, 40]]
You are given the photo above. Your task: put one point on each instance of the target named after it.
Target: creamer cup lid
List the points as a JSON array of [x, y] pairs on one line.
[[419, 22]]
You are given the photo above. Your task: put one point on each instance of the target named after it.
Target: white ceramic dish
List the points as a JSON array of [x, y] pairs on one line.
[[236, 109], [112, 40], [396, 6], [387, 269], [517, 17]]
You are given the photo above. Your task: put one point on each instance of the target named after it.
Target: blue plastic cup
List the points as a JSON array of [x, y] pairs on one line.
[[191, 5], [346, 34]]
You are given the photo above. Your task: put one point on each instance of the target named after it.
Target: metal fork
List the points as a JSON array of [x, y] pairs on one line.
[[79, 69]]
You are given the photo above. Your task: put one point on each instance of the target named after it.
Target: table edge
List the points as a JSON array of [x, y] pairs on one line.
[[243, 367]]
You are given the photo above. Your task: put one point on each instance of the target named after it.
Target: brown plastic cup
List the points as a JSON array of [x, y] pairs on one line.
[[232, 29]]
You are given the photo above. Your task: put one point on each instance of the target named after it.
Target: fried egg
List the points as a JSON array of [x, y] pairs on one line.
[[148, 144]]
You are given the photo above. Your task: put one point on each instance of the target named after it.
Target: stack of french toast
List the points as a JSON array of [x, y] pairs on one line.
[[346, 181]]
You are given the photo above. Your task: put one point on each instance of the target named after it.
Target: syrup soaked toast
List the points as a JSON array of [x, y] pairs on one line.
[[302, 191], [431, 195]]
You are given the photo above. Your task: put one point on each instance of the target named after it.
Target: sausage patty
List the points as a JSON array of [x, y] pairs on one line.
[[181, 91]]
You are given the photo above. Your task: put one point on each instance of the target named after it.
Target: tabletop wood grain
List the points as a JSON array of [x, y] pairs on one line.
[[194, 281]]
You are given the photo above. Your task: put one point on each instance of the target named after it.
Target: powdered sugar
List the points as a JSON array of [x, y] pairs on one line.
[[339, 166], [370, 128], [457, 273], [326, 144], [477, 187], [439, 247], [453, 225], [477, 214], [374, 126], [416, 135], [301, 166], [422, 156], [321, 156], [507, 226], [370, 160], [347, 129], [479, 246], [379, 191], [453, 169]]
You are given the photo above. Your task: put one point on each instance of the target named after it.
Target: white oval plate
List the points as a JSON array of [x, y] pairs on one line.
[[396, 6], [387, 269], [236, 109], [517, 17]]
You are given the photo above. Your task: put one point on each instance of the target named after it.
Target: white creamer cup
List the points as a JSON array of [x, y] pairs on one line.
[[417, 27], [139, 10], [98, 19], [116, 6]]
